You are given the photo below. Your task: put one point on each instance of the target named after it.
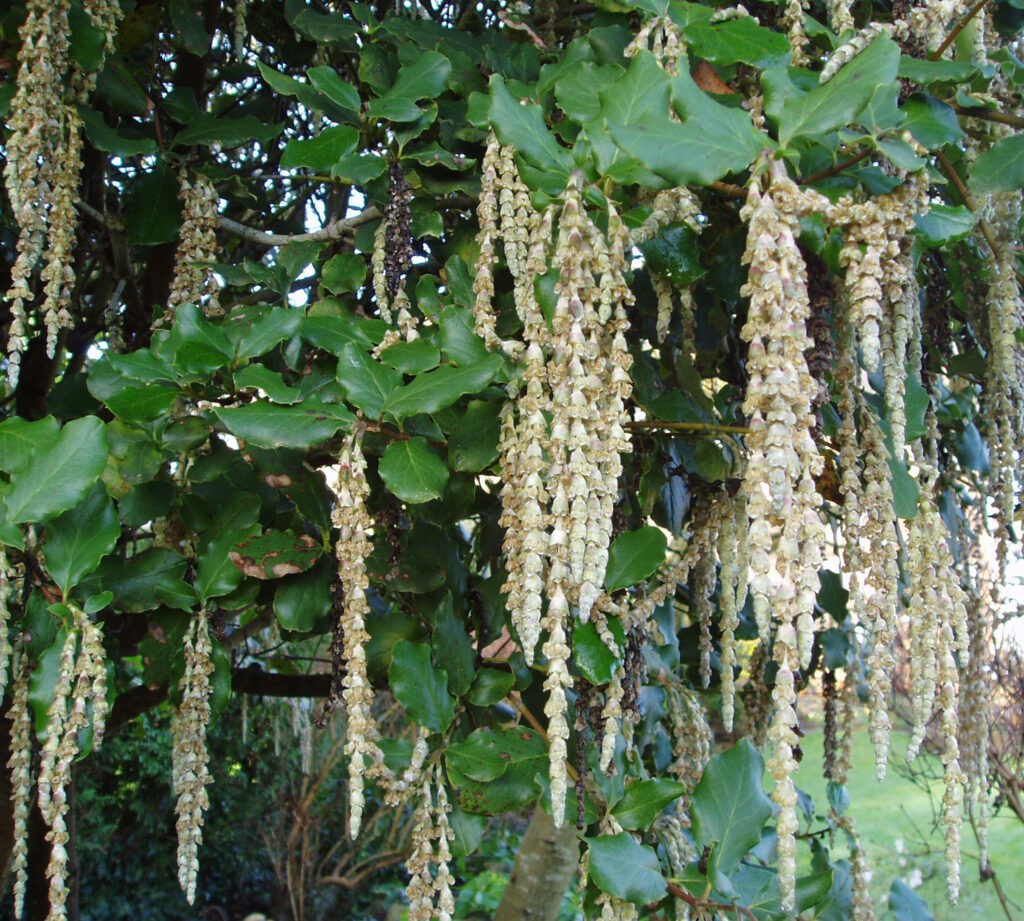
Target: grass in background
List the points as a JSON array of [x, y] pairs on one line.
[[895, 820]]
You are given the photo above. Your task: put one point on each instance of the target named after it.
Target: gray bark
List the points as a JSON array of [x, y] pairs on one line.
[[545, 865]]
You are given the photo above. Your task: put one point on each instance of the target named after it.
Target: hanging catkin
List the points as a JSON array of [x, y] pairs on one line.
[[194, 281], [353, 546], [190, 764], [20, 764], [785, 527]]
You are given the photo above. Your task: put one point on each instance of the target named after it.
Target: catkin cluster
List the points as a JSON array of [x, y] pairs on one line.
[[81, 687], [194, 281], [190, 773], [430, 880], [562, 439], [20, 764], [938, 637], [44, 150], [353, 521], [662, 37], [1004, 379], [786, 535]]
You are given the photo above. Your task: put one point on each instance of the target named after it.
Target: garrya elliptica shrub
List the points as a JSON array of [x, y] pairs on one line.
[[589, 380]]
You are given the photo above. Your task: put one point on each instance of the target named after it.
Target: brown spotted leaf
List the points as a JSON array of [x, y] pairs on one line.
[[275, 554]]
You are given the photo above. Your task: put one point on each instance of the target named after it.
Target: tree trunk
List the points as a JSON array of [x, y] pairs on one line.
[[545, 866]]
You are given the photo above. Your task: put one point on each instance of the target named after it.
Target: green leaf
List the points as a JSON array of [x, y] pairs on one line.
[[301, 600], [713, 141], [152, 211], [366, 383], [19, 439], [491, 686], [343, 273], [59, 475], [916, 402], [142, 404], [924, 72], [634, 555], [730, 806], [459, 341], [439, 389], [642, 92], [189, 29], [412, 471], [523, 127], [521, 752], [907, 905], [674, 254], [453, 646], [622, 867], [578, 90], [1001, 167], [266, 425], [206, 130], [837, 103], [596, 662], [260, 377], [933, 123], [196, 343], [77, 540], [943, 224], [473, 442], [109, 140], [328, 81], [275, 554], [217, 575], [734, 41], [421, 687], [905, 491], [832, 596], [425, 78], [143, 582], [322, 151], [644, 801], [413, 357]]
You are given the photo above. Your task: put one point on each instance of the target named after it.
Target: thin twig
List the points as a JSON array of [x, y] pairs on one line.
[[687, 426], [837, 169], [957, 29], [333, 231], [1003, 118], [680, 893]]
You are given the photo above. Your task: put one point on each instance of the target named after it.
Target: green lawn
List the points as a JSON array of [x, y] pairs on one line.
[[898, 811]]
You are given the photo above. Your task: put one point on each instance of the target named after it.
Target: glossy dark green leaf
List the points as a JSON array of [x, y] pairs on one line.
[[943, 224], [108, 139], [730, 806], [301, 600], [490, 686], [366, 383], [933, 123], [440, 388], [512, 758], [523, 127], [343, 273], [206, 130], [322, 151], [645, 800], [420, 686], [837, 103], [267, 425], [20, 439], [453, 646], [621, 866], [596, 662], [77, 540], [58, 475], [143, 582], [412, 471], [473, 442], [1001, 167], [152, 211], [633, 556], [260, 378], [413, 357], [674, 254]]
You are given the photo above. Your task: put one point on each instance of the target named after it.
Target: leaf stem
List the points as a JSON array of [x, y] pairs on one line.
[[687, 426], [680, 893], [1004, 118]]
